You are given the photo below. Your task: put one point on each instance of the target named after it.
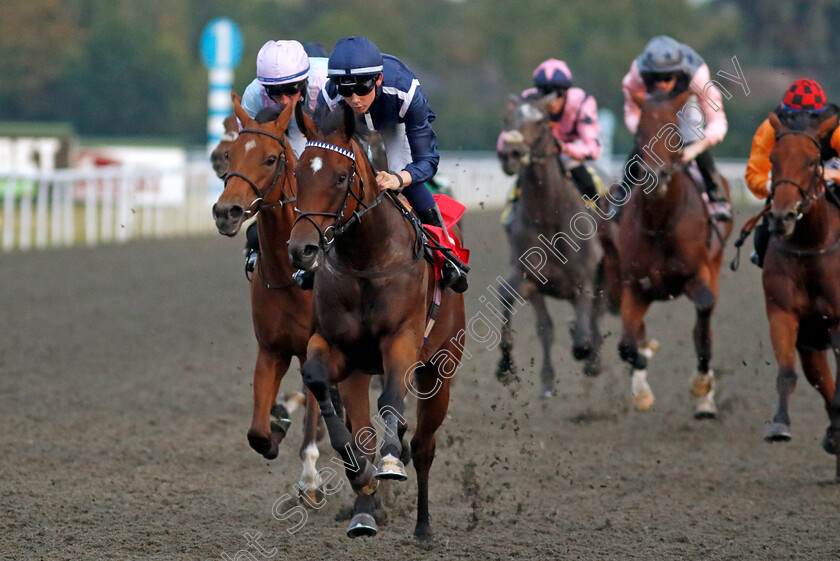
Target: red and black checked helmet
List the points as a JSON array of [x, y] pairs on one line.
[[804, 95]]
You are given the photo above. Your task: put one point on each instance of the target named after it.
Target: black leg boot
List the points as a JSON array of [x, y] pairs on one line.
[[719, 204], [453, 276], [252, 248], [761, 239]]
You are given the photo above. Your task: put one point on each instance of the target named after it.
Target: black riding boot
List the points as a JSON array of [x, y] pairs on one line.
[[252, 247], [761, 239], [584, 182], [719, 204], [453, 276]]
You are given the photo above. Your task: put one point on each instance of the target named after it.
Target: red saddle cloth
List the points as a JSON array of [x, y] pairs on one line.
[[451, 211]]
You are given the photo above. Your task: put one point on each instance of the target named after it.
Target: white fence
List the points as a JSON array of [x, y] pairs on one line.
[[103, 205], [111, 205], [477, 180]]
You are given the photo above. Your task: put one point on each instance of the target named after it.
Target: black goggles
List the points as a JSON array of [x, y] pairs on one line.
[[661, 76], [544, 91], [360, 87], [284, 89]]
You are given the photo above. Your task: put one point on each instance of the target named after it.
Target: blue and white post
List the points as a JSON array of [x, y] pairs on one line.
[[221, 51]]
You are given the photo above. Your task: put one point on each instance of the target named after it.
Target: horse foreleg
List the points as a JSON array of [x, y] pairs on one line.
[[545, 331], [633, 309], [320, 363], [592, 366], [309, 486], [703, 383], [830, 390], [355, 389], [431, 412], [784, 328], [265, 435], [506, 370], [400, 353]]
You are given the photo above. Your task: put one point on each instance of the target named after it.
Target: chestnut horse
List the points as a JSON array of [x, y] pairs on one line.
[[666, 246], [218, 157], [260, 181], [801, 272], [371, 296], [545, 259]]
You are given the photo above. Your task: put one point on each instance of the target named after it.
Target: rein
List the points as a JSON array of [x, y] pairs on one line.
[[808, 194], [281, 165], [339, 228]]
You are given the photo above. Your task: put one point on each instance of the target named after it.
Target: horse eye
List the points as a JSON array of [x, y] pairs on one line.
[[227, 155], [516, 154], [271, 160], [342, 178]]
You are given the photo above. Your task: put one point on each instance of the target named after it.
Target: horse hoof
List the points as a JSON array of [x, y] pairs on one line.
[[546, 394], [592, 368], [777, 432], [423, 534], [705, 410], [267, 447], [831, 442], [583, 351], [643, 401], [390, 468], [310, 496], [279, 411], [405, 455], [362, 525], [506, 373]]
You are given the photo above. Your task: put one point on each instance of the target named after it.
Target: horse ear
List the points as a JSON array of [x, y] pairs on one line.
[[306, 125], [349, 122], [240, 113], [827, 126], [281, 123], [775, 122]]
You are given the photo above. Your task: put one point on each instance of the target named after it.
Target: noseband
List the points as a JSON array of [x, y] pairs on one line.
[[808, 193], [281, 165], [338, 227]]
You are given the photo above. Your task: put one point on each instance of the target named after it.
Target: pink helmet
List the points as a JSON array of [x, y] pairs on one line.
[[282, 62], [553, 75]]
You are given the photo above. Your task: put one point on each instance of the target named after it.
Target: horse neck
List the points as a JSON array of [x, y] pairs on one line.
[[661, 212], [381, 237], [816, 227], [274, 225], [544, 193]]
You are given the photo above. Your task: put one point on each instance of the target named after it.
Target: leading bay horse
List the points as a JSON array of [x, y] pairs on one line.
[[371, 296], [547, 260], [800, 277], [666, 246], [259, 180]]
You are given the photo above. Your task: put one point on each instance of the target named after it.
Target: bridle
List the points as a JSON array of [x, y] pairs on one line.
[[809, 193], [338, 228], [261, 195]]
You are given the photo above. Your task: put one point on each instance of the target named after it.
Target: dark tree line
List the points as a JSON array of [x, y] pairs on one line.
[[132, 68]]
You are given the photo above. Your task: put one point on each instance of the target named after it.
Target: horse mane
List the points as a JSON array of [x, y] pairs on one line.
[[341, 118]]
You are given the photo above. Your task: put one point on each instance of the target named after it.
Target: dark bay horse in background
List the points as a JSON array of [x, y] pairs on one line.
[[371, 296], [667, 246], [802, 275], [260, 181], [545, 258]]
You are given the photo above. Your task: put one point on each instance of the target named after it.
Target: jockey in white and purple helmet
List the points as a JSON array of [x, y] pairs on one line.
[[386, 97], [285, 74]]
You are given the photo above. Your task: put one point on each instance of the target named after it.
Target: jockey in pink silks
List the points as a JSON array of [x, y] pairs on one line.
[[574, 118]]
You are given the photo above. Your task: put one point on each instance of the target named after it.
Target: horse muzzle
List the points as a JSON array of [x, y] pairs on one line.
[[304, 256], [783, 225], [228, 218]]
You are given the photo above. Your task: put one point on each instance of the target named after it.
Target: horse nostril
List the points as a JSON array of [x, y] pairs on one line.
[[236, 212], [310, 250], [790, 216]]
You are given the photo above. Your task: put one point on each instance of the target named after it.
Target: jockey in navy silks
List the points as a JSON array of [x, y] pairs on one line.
[[386, 97]]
